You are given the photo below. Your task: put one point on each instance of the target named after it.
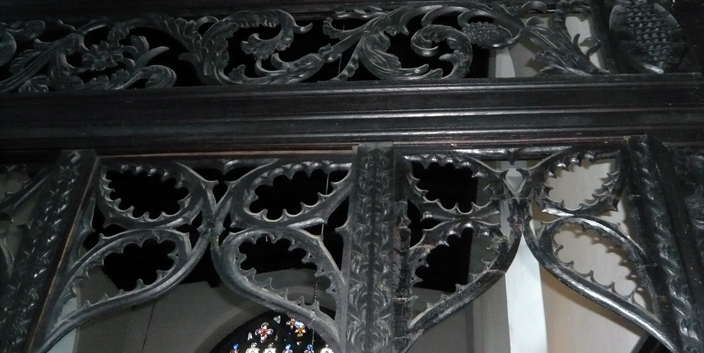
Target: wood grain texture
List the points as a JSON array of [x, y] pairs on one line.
[[513, 112]]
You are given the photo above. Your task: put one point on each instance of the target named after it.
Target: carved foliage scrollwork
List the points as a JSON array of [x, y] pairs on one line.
[[128, 63], [545, 247], [122, 59]]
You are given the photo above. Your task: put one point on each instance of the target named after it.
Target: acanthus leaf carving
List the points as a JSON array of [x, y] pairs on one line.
[[111, 64]]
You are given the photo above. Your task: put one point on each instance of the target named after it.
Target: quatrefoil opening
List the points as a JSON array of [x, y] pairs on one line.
[[145, 194], [601, 261], [293, 194], [448, 185], [279, 266]]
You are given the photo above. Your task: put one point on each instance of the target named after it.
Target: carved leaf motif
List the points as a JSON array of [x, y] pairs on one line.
[[27, 56], [372, 51], [8, 46], [461, 58], [208, 50], [561, 52], [19, 31], [264, 48]]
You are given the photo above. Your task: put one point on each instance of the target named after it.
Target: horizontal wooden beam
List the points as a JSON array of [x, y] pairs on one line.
[[337, 115], [80, 10]]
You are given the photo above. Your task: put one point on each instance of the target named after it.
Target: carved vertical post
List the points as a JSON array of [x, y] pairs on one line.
[[41, 250], [368, 258], [668, 240], [689, 165]]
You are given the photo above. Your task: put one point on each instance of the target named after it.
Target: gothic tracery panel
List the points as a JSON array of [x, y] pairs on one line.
[[363, 225]]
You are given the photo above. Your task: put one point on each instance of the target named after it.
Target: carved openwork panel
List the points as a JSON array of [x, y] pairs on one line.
[[256, 47], [432, 187], [593, 219], [367, 225]]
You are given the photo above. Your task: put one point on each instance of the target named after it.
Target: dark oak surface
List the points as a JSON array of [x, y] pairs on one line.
[[513, 111], [81, 9]]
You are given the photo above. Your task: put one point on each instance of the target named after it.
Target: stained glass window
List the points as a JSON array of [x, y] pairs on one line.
[[272, 332]]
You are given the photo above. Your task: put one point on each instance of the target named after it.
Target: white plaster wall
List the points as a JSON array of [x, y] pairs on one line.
[[194, 318], [198, 316]]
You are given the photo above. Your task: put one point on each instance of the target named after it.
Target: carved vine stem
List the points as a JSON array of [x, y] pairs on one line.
[[122, 59]]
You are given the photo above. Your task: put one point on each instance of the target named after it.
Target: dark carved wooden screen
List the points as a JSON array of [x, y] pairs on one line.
[[100, 88]]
